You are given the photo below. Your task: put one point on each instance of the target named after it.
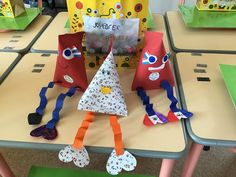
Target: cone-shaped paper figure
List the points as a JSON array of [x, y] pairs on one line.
[[104, 94], [70, 68], [153, 65], [12, 8]]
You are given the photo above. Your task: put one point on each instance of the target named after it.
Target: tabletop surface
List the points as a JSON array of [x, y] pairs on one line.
[[57, 27], [184, 39], [21, 41], [6, 61], [214, 121], [19, 92]]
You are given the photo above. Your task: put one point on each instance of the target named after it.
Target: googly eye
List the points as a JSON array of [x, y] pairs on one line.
[[118, 6], [67, 54], [166, 58], [89, 10], [95, 12], [138, 7]]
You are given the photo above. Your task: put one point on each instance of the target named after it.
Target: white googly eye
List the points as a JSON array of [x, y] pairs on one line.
[[95, 12], [67, 54]]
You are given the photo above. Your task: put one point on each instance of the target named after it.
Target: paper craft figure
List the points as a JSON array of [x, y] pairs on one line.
[[154, 72], [220, 5], [12, 8], [103, 95], [70, 72], [209, 14]]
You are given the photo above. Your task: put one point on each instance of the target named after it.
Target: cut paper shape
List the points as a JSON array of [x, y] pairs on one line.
[[153, 65], [70, 68], [80, 157], [195, 18], [12, 8], [20, 22], [229, 75], [104, 94], [115, 163], [46, 133]]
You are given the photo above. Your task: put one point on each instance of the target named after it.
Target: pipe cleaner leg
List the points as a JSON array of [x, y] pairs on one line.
[[36, 117], [77, 152], [119, 158], [175, 112], [49, 131]]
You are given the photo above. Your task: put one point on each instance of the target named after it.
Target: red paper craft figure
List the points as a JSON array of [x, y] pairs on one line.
[[70, 72], [154, 72]]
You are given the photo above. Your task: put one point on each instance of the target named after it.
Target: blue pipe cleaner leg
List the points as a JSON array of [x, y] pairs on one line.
[[36, 117], [180, 113]]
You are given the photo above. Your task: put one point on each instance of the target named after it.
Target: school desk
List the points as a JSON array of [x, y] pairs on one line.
[[47, 42], [7, 62], [204, 92], [184, 39], [20, 92], [21, 41]]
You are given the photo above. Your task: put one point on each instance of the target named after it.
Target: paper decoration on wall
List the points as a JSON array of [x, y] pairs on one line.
[[70, 72], [12, 8], [105, 13], [154, 72], [104, 93], [216, 5], [229, 75]]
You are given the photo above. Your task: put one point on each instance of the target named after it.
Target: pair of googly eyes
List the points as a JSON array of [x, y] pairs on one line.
[[151, 59], [68, 53]]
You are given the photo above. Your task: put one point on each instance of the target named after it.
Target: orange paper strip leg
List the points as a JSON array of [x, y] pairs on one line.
[[117, 135], [78, 142]]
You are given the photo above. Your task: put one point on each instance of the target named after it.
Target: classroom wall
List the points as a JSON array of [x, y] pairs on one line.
[[161, 6]]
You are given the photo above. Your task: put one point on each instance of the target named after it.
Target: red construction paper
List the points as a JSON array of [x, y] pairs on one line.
[[154, 47], [71, 72]]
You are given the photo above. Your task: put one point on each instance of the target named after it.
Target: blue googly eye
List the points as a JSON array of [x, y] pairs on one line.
[[67, 54], [166, 58]]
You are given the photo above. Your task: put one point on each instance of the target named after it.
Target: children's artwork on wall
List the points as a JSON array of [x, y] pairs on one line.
[[154, 72], [69, 72], [103, 95], [108, 17], [12, 8], [216, 5]]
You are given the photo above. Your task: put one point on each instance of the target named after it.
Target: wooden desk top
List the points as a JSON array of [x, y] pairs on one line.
[[184, 39], [214, 121], [7, 61], [21, 41], [43, 45], [19, 96]]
